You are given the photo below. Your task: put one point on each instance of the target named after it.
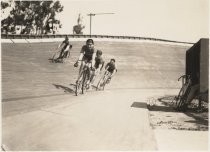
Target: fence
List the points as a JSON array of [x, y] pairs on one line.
[[27, 36]]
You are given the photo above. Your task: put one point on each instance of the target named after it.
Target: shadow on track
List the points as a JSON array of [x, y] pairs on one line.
[[55, 60], [201, 119], [66, 89], [152, 108], [139, 105]]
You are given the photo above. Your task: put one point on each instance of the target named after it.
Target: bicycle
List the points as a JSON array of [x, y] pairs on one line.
[[180, 100], [103, 80], [60, 58], [81, 84]]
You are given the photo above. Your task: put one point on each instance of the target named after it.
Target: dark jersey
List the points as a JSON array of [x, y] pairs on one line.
[[111, 67], [98, 61], [88, 53], [66, 43]]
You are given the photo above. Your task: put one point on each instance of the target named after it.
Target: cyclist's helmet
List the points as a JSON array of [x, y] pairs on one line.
[[67, 38], [99, 52], [113, 60], [90, 41]]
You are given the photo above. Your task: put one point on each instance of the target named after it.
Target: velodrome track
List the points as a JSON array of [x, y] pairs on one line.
[[41, 112]]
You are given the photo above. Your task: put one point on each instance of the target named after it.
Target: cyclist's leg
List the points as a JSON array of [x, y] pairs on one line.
[[94, 75], [80, 70], [89, 75], [61, 54], [101, 82], [65, 54], [109, 77]]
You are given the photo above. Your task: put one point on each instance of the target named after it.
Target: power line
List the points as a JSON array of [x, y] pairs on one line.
[[94, 14]]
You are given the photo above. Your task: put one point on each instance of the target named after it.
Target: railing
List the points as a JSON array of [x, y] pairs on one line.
[[27, 36]]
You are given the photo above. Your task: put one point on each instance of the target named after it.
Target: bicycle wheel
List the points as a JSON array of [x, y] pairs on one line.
[[100, 84], [78, 85], [178, 98], [104, 83], [182, 105]]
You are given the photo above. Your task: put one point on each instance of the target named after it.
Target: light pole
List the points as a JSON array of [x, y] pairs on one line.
[[91, 14]]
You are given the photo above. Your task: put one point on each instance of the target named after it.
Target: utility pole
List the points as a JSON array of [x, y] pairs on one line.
[[91, 14]]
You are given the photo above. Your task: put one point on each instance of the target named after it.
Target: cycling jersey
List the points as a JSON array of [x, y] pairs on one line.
[[98, 61], [111, 67], [88, 53], [66, 43]]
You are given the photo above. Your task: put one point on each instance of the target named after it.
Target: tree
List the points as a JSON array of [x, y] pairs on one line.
[[6, 20], [32, 15]]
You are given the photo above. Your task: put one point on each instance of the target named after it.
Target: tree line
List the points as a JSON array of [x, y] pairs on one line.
[[30, 17]]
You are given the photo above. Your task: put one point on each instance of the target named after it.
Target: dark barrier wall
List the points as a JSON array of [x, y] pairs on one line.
[[204, 65], [197, 63], [193, 63]]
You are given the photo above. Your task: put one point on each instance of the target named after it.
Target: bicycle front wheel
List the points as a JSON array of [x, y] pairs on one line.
[[182, 102], [100, 85], [178, 98], [77, 90], [78, 85]]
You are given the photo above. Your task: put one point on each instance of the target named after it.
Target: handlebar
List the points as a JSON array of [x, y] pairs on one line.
[[183, 76]]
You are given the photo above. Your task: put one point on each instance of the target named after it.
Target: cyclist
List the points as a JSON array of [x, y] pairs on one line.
[[65, 49], [99, 63], [111, 67], [87, 54]]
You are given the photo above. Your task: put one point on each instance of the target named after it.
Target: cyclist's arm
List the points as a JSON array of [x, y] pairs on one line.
[[115, 70], [59, 45], [99, 67], [66, 48], [81, 53], [113, 73], [80, 56], [107, 66], [93, 59]]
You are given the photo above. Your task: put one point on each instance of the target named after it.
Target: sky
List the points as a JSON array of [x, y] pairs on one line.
[[182, 20]]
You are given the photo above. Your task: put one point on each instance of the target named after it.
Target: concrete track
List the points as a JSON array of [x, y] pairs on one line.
[[41, 112]]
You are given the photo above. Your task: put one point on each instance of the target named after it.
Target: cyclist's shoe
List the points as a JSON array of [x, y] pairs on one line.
[[76, 64], [88, 86], [92, 68], [108, 80]]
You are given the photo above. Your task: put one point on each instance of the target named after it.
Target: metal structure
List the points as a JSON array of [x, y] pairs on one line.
[[91, 14]]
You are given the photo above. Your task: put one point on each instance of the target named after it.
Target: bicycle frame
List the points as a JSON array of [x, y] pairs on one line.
[[82, 81], [180, 100], [103, 81]]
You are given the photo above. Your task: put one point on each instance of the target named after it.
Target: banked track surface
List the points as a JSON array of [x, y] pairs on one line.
[[35, 89]]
